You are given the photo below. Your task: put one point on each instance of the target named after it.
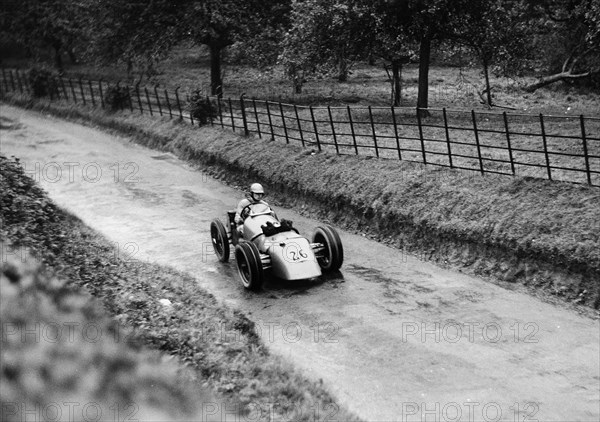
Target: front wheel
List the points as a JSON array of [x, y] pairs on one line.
[[249, 265], [220, 242], [330, 258]]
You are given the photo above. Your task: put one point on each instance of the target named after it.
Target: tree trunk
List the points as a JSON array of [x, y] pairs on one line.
[[58, 62], [488, 89], [424, 58], [396, 82], [554, 78], [72, 56], [342, 67], [216, 83]]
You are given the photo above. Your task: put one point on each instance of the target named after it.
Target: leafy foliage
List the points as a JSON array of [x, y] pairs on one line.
[[42, 82], [201, 108], [117, 97]]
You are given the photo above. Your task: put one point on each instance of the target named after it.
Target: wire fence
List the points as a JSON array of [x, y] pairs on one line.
[[554, 147]]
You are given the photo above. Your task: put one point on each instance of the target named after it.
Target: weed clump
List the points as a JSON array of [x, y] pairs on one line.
[[42, 82], [116, 98], [201, 108]]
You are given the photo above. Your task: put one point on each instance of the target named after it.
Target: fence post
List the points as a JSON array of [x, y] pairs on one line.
[[256, 117], [192, 119], [352, 130], [510, 153], [129, 98], [419, 123], [50, 90], [92, 93], [585, 150], [337, 150], [157, 99], [270, 120], [312, 116], [243, 110], [12, 80], [396, 133], [178, 103], [169, 105], [137, 93], [374, 133], [101, 93], [72, 90], [447, 136], [477, 140], [545, 146], [25, 84], [55, 85], [148, 101], [231, 113], [81, 90], [299, 125], [220, 111], [287, 140], [19, 81], [4, 80]]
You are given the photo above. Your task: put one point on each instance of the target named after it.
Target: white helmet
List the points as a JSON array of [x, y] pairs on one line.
[[257, 188], [257, 191]]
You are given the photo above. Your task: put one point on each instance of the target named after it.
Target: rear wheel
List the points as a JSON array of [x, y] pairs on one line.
[[249, 265], [332, 255], [220, 242]]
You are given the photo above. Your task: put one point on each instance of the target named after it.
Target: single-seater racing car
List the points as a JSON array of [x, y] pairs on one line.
[[269, 245]]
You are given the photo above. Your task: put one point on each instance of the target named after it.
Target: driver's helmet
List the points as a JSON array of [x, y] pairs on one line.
[[256, 191]]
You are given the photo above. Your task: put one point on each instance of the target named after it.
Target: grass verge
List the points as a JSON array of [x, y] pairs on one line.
[[160, 307], [538, 233]]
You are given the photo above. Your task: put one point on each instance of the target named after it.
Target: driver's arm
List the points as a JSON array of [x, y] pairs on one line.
[[243, 203]]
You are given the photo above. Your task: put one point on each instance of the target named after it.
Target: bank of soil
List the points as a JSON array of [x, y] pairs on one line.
[[150, 304], [537, 233]]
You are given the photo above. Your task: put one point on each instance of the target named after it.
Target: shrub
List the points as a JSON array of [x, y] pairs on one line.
[[116, 97], [42, 82], [201, 108]]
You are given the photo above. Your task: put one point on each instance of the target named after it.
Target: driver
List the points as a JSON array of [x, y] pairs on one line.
[[257, 193]]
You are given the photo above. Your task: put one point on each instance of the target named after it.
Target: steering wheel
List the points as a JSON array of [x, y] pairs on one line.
[[246, 211]]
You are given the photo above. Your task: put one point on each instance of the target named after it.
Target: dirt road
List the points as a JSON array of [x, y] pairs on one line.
[[392, 337]]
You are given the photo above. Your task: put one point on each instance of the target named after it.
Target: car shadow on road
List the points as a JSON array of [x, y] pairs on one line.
[[299, 287]]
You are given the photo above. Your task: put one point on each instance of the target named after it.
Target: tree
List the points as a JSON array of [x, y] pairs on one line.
[[572, 28], [137, 33], [218, 24], [496, 33], [42, 24], [325, 36]]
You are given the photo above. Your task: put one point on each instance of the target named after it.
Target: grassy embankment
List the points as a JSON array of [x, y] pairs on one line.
[[541, 234], [107, 361]]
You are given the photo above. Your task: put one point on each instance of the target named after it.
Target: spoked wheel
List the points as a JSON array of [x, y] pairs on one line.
[[249, 265], [220, 243], [332, 255]]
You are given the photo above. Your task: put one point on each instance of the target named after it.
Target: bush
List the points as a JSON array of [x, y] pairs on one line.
[[116, 97], [42, 82], [201, 108]]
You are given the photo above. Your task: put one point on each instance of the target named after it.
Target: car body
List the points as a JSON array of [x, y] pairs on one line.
[[271, 246]]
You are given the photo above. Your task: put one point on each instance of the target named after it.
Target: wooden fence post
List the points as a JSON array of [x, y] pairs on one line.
[[447, 136], [256, 118], [312, 116], [545, 146], [510, 153], [285, 132], [337, 150], [585, 150], [299, 125], [396, 133], [352, 129], [419, 123], [477, 141]]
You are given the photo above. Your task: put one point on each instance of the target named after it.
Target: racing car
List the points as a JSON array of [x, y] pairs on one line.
[[271, 246]]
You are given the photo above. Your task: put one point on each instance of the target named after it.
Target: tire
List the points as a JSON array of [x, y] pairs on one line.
[[249, 265], [220, 242], [334, 251]]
